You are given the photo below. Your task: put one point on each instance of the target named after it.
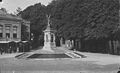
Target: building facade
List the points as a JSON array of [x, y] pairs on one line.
[[10, 27]]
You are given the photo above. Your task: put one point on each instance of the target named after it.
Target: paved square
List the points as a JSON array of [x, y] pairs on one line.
[[10, 64]]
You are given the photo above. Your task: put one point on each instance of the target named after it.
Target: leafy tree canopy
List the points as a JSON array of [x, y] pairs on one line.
[[87, 19], [36, 15]]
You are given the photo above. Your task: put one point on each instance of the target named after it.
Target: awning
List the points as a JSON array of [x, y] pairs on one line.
[[8, 41], [5, 41]]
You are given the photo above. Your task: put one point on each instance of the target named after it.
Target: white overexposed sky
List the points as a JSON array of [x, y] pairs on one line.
[[11, 5]]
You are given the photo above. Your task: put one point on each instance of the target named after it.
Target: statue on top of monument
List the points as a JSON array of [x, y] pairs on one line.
[[49, 23], [48, 18]]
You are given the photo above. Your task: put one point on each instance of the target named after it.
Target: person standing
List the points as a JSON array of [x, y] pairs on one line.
[[1, 51]]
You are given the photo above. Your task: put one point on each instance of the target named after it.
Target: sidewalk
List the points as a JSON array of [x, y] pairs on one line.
[[101, 59], [6, 55]]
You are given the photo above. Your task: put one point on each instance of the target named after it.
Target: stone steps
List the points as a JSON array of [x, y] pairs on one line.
[[82, 56], [71, 54], [22, 56]]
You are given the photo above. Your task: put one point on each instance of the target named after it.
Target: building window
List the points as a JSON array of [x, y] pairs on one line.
[[7, 29], [14, 29], [14, 35], [7, 35]]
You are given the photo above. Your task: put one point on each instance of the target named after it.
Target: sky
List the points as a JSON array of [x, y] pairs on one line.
[[12, 5]]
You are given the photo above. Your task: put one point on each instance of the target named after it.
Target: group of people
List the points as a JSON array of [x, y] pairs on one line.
[[14, 47], [8, 49]]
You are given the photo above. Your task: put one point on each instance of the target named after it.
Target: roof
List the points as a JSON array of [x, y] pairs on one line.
[[5, 16]]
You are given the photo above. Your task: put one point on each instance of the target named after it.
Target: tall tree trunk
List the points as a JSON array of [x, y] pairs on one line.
[[114, 47], [117, 46], [79, 44], [61, 41], [77, 47], [110, 46], [75, 44], [107, 47]]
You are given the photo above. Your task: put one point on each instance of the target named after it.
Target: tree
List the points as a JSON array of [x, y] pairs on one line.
[[85, 19], [102, 19], [18, 11], [36, 14], [4, 10], [24, 32], [90, 17], [76, 19]]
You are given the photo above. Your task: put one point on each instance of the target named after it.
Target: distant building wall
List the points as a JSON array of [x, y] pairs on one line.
[[10, 27]]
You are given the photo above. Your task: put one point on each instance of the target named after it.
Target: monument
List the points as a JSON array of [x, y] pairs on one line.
[[49, 37], [50, 50]]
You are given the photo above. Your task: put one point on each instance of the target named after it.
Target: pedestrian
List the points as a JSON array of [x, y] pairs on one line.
[[1, 51]]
